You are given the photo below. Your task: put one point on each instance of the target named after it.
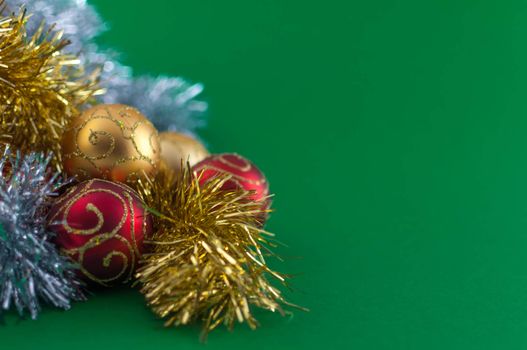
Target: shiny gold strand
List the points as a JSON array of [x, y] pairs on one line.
[[40, 88], [207, 254]]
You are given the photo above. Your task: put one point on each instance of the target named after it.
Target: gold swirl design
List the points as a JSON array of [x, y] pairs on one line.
[[239, 180], [113, 142], [94, 140], [234, 177], [247, 166], [128, 257]]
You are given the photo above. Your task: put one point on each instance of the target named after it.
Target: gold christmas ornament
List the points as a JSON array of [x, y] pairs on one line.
[[41, 89], [177, 149], [113, 142]]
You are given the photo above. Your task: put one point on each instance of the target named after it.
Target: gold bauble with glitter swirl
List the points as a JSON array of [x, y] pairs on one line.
[[113, 142], [177, 149]]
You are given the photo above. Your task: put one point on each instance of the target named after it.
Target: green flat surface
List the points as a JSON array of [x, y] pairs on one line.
[[394, 135]]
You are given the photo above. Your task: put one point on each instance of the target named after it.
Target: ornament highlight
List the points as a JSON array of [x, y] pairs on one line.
[[101, 225], [177, 149], [113, 142]]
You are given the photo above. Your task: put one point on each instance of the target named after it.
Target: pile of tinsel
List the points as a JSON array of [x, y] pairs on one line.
[[51, 69], [170, 102]]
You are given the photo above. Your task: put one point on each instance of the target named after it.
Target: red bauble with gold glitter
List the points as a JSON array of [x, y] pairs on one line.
[[245, 175], [101, 225]]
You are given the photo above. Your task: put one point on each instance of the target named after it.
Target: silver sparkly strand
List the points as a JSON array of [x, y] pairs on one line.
[[171, 103], [31, 268]]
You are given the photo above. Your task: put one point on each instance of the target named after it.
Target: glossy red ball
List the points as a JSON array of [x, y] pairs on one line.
[[101, 225], [245, 175]]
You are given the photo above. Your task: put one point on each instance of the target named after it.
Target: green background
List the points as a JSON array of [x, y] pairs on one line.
[[394, 136]]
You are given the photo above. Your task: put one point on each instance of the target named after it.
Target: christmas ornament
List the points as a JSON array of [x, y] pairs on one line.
[[113, 142], [170, 102], [31, 268], [101, 225], [177, 149], [41, 88], [207, 260], [243, 174], [206, 239]]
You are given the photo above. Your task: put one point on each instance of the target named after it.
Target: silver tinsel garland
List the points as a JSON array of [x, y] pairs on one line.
[[169, 102], [31, 268]]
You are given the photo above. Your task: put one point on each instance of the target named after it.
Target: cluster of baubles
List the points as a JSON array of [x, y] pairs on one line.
[[100, 221]]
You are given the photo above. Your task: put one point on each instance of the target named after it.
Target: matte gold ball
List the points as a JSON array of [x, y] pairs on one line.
[[113, 142], [177, 149]]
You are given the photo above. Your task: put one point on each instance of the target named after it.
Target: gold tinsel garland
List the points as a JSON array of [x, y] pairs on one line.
[[41, 89], [207, 254]]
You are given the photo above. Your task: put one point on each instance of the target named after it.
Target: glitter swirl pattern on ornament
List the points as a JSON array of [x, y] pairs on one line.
[[243, 174], [101, 225], [113, 142]]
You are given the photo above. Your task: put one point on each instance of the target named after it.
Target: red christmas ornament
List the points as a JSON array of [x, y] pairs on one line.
[[101, 225], [245, 175]]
